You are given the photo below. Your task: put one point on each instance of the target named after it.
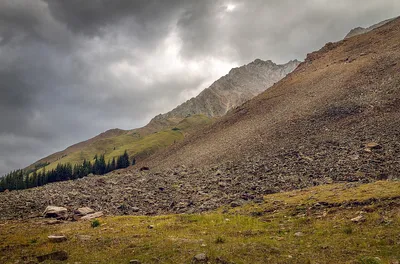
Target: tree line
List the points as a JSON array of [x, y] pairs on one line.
[[20, 179]]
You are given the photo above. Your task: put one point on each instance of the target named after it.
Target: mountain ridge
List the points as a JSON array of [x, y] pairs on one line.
[[231, 90], [361, 30]]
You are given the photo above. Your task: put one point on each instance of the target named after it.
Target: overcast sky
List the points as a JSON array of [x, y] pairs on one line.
[[71, 69]]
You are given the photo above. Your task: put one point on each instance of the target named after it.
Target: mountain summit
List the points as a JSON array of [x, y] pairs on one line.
[[238, 86]]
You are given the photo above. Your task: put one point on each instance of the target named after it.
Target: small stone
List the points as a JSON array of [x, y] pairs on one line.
[[57, 255], [57, 238], [218, 173], [84, 237], [135, 209], [200, 258], [354, 157], [328, 180], [92, 216], [299, 234], [150, 226], [134, 261], [236, 203], [372, 145], [358, 219]]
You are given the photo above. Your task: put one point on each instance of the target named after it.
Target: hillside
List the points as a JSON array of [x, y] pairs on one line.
[[238, 86], [138, 143]]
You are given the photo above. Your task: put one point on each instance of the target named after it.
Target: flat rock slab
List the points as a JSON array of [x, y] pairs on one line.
[[84, 211], [92, 216], [57, 238], [358, 219]]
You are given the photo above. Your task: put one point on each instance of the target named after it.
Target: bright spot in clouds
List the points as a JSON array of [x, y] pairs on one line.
[[230, 7]]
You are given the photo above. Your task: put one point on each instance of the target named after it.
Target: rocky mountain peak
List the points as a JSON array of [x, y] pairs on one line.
[[235, 88]]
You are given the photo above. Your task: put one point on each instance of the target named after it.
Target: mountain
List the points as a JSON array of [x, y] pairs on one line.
[[336, 118], [231, 90], [316, 122], [360, 30]]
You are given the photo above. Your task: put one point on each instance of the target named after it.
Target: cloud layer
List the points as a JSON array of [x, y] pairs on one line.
[[72, 69]]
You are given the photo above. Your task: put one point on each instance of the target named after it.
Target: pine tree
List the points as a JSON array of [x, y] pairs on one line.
[[113, 165]]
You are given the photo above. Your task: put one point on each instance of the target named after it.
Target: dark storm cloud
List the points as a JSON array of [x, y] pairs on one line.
[[72, 69], [276, 29]]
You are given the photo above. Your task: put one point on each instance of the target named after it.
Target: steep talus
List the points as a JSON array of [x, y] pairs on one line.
[[233, 89], [335, 118]]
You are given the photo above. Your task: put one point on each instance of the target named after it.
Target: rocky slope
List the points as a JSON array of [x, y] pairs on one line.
[[360, 30], [335, 118], [233, 89]]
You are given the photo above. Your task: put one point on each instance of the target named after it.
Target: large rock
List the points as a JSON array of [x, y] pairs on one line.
[[56, 212], [84, 211]]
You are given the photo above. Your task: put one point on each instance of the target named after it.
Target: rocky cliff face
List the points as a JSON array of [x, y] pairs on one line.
[[238, 86]]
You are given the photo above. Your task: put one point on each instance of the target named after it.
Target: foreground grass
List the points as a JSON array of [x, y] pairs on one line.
[[304, 226]]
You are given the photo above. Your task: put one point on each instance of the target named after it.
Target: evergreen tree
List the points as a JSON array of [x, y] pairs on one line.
[[113, 164], [123, 161]]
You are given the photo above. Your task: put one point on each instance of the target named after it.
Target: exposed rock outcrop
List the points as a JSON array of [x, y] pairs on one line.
[[233, 89]]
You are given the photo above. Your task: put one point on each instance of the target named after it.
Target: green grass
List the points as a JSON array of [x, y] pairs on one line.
[[231, 235], [134, 143]]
